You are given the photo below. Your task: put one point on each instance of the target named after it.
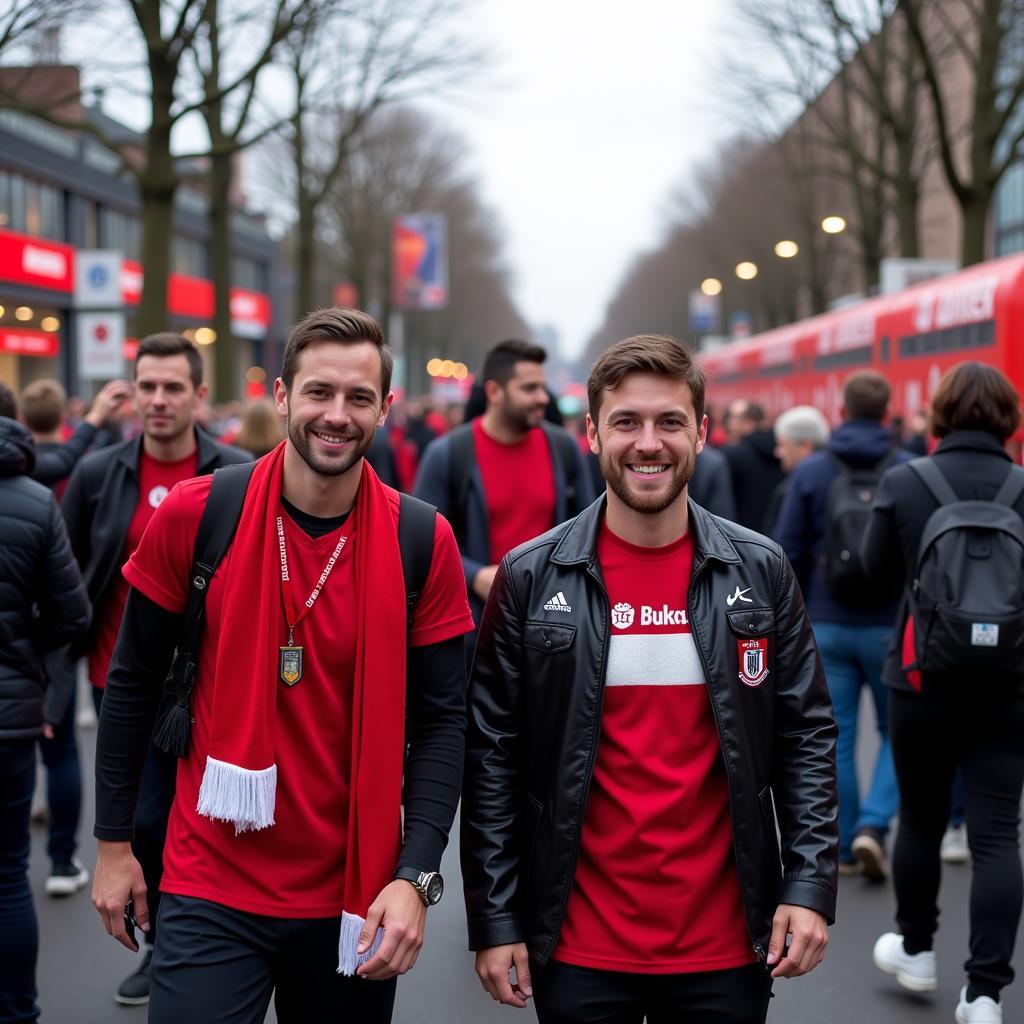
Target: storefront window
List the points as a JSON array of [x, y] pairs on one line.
[[119, 230], [30, 206]]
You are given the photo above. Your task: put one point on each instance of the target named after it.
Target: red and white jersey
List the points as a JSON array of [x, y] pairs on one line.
[[656, 887]]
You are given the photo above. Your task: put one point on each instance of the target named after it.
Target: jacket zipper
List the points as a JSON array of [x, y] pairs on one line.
[[759, 951], [588, 778]]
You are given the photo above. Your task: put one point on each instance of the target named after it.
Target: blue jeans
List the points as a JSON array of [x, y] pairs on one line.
[[853, 657], [19, 933], [63, 786]]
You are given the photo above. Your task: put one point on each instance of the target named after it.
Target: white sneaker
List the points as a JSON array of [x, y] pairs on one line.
[[954, 848], [67, 879], [916, 972], [982, 1011]]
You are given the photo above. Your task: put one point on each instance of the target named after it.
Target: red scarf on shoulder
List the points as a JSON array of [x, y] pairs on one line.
[[240, 778]]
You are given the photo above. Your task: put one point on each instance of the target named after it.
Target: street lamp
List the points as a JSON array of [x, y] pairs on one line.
[[711, 286], [833, 225], [746, 271], [786, 249]]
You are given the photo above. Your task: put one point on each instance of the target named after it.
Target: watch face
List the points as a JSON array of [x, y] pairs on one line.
[[435, 887]]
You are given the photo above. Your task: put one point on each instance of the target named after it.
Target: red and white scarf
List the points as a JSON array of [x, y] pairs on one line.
[[240, 778]]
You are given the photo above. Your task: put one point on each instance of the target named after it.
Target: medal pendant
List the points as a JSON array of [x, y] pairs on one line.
[[291, 665]]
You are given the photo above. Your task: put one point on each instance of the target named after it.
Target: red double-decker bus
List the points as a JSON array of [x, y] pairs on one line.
[[912, 338]]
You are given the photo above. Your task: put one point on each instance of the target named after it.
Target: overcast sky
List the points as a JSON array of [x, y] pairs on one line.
[[593, 113]]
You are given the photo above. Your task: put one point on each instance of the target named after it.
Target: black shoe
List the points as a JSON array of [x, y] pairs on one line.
[[869, 849], [134, 990], [66, 877]]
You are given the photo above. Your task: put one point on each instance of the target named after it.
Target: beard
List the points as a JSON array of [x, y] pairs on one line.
[[522, 418], [326, 465], [615, 475]]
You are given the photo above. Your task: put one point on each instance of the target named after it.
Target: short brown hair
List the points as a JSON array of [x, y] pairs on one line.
[[166, 344], [42, 406], [974, 396], [336, 323], [659, 354], [866, 396]]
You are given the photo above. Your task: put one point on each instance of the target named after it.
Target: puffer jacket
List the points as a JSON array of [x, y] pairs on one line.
[[535, 705], [43, 604]]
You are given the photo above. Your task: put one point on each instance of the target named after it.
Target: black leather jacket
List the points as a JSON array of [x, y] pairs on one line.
[[535, 721]]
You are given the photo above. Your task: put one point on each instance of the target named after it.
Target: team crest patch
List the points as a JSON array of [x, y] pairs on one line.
[[753, 658]]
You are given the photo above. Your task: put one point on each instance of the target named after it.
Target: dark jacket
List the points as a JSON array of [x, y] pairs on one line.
[[755, 472], [535, 720], [43, 604], [434, 485], [100, 501], [710, 486], [801, 523], [975, 464], [54, 462]]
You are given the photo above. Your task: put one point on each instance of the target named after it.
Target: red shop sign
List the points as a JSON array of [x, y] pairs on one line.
[[29, 343], [193, 297], [31, 261]]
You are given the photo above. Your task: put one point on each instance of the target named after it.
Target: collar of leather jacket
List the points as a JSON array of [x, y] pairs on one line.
[[579, 542]]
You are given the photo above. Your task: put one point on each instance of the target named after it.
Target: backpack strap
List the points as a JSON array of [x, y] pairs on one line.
[[563, 451], [461, 460], [416, 521], [934, 479], [217, 528], [1013, 487]]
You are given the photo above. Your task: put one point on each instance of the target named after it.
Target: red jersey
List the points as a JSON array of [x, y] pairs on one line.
[[156, 479], [519, 484], [656, 889], [297, 867]]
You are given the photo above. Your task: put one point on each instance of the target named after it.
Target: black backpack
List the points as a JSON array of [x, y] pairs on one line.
[[847, 510], [213, 538], [967, 600]]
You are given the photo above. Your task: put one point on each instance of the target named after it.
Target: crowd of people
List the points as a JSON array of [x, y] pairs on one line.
[[634, 647]]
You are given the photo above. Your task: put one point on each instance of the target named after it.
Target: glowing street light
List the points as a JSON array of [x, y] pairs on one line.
[[434, 367], [746, 271], [205, 335], [834, 225], [786, 249], [711, 286]]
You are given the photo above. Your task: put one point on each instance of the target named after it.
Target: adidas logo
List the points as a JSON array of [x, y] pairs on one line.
[[558, 604]]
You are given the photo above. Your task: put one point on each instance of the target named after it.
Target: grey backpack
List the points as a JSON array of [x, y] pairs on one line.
[[967, 600]]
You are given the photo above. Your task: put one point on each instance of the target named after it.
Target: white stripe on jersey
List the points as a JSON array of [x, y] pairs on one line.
[[660, 659]]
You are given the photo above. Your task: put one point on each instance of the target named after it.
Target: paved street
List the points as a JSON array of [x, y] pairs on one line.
[[80, 966]]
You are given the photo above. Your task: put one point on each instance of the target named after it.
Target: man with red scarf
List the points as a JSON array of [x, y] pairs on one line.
[[287, 865]]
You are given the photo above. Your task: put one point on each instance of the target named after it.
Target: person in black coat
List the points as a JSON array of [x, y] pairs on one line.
[[940, 722], [43, 605], [754, 470]]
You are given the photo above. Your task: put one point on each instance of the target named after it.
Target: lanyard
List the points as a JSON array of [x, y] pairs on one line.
[[292, 617]]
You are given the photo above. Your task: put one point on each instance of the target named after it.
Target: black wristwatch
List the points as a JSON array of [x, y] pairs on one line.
[[429, 884]]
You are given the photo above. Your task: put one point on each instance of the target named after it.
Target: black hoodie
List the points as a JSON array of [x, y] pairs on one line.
[[755, 474], [43, 604]]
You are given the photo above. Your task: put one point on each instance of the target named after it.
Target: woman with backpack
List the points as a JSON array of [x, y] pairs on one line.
[[956, 678]]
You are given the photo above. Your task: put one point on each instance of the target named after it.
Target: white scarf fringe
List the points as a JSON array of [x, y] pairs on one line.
[[351, 927], [239, 795]]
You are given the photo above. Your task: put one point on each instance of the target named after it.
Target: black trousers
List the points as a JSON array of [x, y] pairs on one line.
[[565, 994], [978, 725], [215, 965]]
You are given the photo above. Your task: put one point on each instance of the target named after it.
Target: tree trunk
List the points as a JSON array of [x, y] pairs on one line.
[[907, 200], [305, 253], [158, 182], [225, 352], [975, 210]]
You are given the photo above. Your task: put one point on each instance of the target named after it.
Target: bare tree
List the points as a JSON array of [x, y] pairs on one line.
[[165, 32], [404, 162], [230, 123], [346, 66], [970, 51]]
